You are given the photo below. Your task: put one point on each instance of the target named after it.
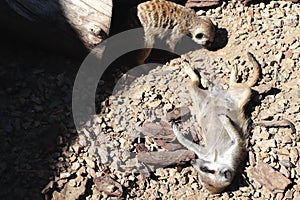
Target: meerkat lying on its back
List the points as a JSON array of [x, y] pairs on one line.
[[158, 17], [220, 114]]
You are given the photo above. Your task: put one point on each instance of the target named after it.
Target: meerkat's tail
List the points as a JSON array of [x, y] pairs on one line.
[[256, 70]]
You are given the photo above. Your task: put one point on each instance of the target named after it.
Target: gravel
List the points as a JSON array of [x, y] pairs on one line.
[[44, 157]]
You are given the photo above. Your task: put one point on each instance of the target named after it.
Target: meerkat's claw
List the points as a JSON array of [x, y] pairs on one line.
[[233, 76]]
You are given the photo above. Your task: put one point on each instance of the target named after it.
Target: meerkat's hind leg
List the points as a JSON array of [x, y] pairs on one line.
[[143, 54], [149, 38], [256, 70], [173, 39]]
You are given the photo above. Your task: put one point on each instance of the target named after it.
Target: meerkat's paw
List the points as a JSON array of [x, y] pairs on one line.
[[233, 76], [190, 72]]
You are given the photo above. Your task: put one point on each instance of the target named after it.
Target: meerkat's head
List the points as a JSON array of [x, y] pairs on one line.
[[214, 176], [204, 32]]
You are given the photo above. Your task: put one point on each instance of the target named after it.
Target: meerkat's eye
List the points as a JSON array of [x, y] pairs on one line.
[[199, 36], [206, 170]]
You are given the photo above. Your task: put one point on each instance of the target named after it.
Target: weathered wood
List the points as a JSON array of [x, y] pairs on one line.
[[69, 25], [165, 158], [202, 3]]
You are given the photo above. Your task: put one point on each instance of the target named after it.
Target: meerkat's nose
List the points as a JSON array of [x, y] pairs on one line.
[[227, 174]]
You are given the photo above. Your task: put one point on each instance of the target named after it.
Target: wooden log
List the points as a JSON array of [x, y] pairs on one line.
[[166, 158], [71, 26]]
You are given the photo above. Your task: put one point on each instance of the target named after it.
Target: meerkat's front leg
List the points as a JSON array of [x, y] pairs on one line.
[[190, 72], [187, 143], [230, 129]]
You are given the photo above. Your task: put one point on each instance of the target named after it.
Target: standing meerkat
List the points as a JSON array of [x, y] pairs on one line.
[[171, 21], [220, 115]]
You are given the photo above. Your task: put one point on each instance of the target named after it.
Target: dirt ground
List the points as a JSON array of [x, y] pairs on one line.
[[44, 157]]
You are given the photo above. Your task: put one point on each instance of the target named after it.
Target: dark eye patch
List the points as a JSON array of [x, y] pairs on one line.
[[206, 170], [199, 35]]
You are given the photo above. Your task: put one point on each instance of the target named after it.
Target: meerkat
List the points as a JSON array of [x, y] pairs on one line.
[[161, 18], [221, 117]]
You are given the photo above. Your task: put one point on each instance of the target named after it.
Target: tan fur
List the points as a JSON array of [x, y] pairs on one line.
[[159, 16], [220, 114]]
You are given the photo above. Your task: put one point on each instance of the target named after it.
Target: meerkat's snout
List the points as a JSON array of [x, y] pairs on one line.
[[228, 174], [213, 176]]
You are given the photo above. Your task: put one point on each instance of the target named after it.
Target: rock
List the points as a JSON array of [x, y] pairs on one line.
[[251, 158], [283, 154], [286, 163], [153, 129], [278, 57], [285, 171], [286, 139], [116, 143], [237, 42], [64, 175], [290, 39], [109, 186], [178, 113], [297, 118], [295, 45], [70, 192], [72, 182], [288, 195], [269, 178], [264, 135], [154, 103], [279, 196], [72, 158], [91, 172], [166, 158], [102, 152], [75, 166], [265, 145], [298, 170], [297, 195]]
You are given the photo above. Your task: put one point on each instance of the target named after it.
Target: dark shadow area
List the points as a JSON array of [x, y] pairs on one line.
[[238, 181], [221, 39], [41, 32], [36, 123]]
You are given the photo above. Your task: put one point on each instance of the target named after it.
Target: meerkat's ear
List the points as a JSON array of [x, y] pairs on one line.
[[207, 20]]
